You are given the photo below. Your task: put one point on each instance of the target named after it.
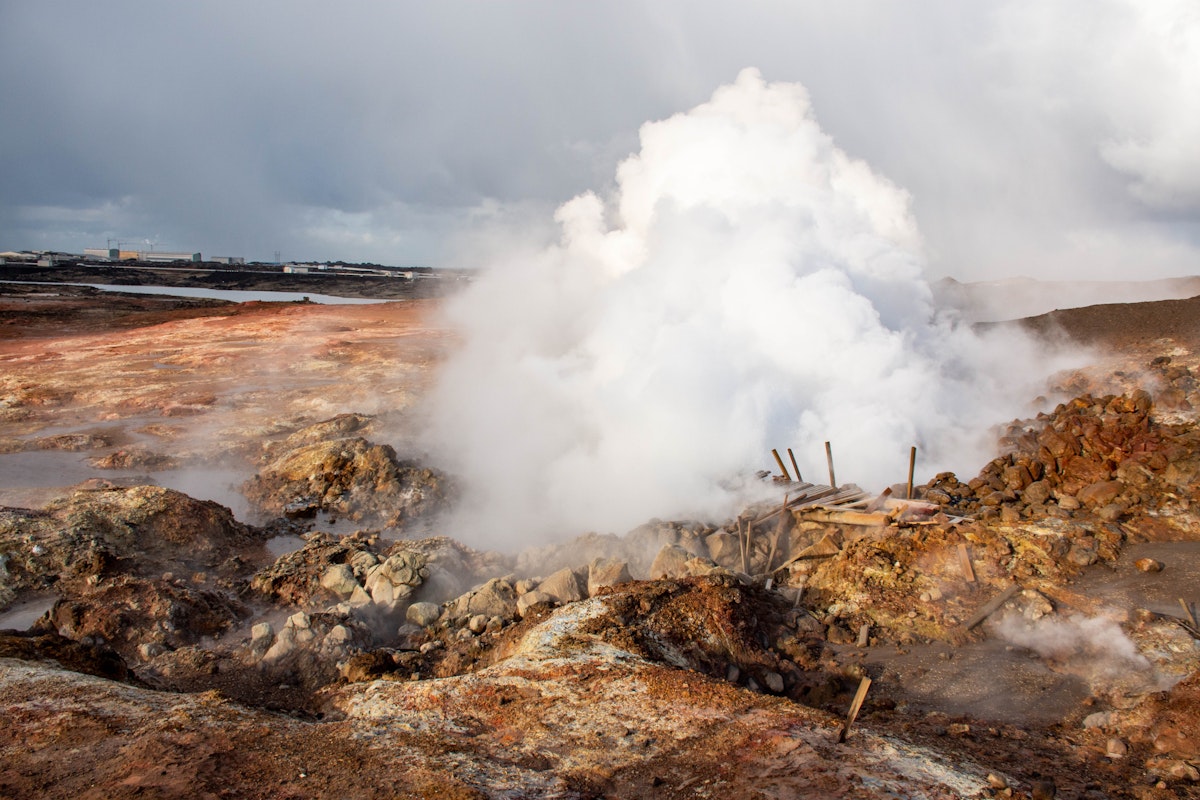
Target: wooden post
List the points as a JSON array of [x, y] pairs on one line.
[[855, 706], [782, 468], [1188, 611], [780, 530], [964, 562], [912, 467], [795, 468], [829, 458], [746, 547]]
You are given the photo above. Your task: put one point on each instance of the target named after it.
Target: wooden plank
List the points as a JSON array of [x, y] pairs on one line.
[[964, 563], [838, 516], [804, 493], [855, 707], [993, 605]]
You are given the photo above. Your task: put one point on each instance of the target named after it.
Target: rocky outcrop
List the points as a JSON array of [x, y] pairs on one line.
[[351, 477], [143, 530]]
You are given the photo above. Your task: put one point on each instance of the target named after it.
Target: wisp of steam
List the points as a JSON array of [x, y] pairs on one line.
[[745, 285]]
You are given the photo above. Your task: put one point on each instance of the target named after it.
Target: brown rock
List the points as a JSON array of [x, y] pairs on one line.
[[1100, 493], [1148, 565], [1037, 492]]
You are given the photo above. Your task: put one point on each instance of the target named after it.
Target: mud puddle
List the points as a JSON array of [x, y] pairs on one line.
[[1124, 586]]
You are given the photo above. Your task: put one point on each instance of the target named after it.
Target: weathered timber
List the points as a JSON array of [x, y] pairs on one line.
[[829, 459], [992, 606], [964, 563], [855, 707], [782, 469], [912, 467], [796, 468], [839, 516]]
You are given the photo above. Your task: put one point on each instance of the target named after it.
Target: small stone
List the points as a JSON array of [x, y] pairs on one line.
[[1148, 565], [477, 623], [260, 631], [1115, 748], [430, 646], [148, 650], [1099, 719], [1181, 770], [997, 781], [732, 673], [298, 620], [958, 729], [774, 682]]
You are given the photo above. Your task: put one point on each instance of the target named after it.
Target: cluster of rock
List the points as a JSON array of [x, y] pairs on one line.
[[1101, 457]]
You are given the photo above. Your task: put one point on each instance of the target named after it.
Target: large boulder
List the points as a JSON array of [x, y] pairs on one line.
[[564, 586], [350, 477]]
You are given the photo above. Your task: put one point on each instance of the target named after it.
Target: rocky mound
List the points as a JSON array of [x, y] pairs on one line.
[[351, 477], [104, 529]]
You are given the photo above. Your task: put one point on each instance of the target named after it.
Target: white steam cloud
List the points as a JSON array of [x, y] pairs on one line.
[[1095, 646], [747, 285]]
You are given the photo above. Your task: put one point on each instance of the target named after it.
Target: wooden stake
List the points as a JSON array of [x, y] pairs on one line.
[[780, 530], [993, 605], [829, 458], [782, 468], [1188, 611], [964, 562], [855, 706], [795, 468], [912, 467], [746, 546]]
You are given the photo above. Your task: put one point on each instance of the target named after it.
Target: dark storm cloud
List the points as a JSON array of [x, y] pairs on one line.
[[415, 132]]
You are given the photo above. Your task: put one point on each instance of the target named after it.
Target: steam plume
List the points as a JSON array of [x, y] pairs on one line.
[[747, 285]]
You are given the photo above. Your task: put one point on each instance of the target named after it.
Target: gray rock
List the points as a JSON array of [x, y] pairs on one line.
[[774, 682], [496, 597], [423, 614], [340, 580], [671, 562], [261, 631], [531, 599], [564, 586], [725, 549], [606, 572], [477, 623]]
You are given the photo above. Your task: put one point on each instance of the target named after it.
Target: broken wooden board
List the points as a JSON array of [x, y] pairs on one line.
[[992, 606], [840, 516]]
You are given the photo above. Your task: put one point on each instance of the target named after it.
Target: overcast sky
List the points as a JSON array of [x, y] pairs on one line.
[[1035, 138]]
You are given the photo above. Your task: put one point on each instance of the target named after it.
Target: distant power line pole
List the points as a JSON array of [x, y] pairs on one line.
[[277, 257]]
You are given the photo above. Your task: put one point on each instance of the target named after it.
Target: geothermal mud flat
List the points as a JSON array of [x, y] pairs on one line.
[[321, 632]]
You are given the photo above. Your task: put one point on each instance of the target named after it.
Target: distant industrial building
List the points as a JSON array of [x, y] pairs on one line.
[[228, 260], [153, 256]]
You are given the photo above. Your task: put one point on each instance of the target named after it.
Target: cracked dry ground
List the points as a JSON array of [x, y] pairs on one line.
[[698, 683]]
